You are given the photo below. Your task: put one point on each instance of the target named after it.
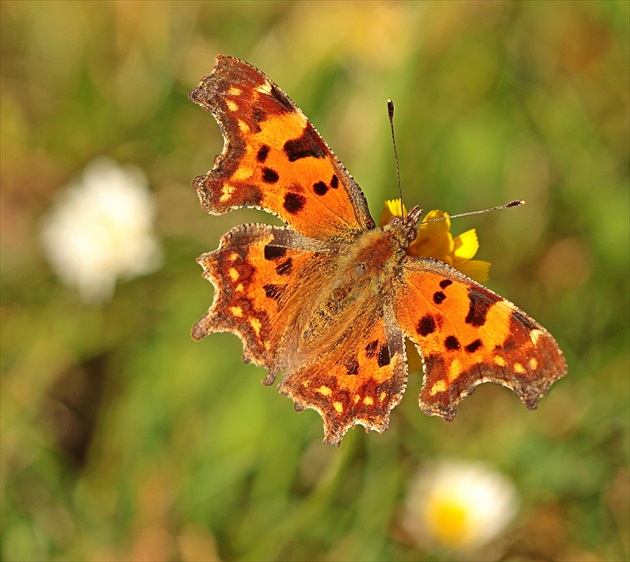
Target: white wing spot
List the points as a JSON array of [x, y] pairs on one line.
[[534, 335], [264, 88]]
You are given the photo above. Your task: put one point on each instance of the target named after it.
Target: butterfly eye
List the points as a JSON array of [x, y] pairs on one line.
[[411, 235]]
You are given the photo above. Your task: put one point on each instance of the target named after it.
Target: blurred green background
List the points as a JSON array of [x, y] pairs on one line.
[[124, 440]]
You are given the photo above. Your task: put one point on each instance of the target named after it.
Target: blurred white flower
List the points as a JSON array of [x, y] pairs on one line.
[[459, 506], [101, 229]]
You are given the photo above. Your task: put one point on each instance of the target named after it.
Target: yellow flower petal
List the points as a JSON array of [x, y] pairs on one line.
[[391, 209], [465, 246], [479, 270], [436, 228], [434, 239]]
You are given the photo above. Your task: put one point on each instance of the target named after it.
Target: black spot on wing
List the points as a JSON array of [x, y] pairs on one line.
[[426, 325], [370, 349], [439, 297], [294, 202], [273, 291], [274, 252], [474, 346], [383, 356], [334, 181], [445, 283], [352, 366], [285, 267], [308, 145], [452, 343], [270, 176], [263, 151], [479, 307], [320, 188]]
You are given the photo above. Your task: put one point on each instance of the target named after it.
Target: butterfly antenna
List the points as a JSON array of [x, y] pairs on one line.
[[509, 205], [390, 112]]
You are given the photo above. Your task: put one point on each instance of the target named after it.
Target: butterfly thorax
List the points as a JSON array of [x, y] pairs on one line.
[[372, 259], [365, 274]]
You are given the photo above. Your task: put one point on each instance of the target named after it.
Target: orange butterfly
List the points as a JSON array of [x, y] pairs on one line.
[[329, 300]]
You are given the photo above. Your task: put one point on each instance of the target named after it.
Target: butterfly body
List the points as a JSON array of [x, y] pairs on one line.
[[329, 300]]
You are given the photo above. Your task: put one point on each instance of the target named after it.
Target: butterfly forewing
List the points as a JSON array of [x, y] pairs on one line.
[[274, 158]]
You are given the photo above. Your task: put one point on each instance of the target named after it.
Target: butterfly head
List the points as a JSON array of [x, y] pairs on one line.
[[404, 228]]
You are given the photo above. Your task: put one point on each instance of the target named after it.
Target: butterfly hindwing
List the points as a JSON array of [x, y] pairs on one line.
[[359, 381], [259, 273], [469, 335]]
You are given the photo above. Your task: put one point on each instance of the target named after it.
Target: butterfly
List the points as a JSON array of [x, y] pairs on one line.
[[328, 300]]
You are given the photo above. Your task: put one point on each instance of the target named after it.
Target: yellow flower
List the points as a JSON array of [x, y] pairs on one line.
[[435, 240]]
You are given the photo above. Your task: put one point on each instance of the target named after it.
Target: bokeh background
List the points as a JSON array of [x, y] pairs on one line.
[[124, 440]]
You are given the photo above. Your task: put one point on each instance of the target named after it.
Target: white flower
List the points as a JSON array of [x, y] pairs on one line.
[[459, 506], [101, 229]]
